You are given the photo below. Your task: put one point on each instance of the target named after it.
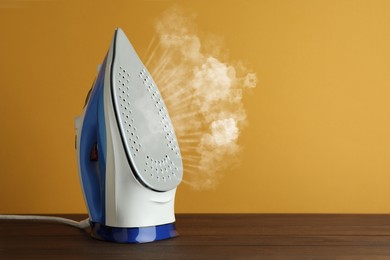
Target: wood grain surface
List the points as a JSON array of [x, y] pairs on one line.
[[212, 236]]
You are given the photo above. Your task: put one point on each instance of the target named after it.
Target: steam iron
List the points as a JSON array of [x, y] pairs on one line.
[[128, 156]]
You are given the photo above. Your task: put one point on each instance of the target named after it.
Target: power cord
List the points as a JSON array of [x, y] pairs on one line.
[[82, 224]]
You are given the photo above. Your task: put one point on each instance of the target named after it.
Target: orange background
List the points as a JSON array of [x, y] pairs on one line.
[[318, 139]]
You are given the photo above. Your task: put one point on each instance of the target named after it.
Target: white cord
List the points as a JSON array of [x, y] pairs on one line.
[[82, 224]]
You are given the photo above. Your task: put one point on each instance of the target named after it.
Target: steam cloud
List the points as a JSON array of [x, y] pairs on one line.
[[203, 95]]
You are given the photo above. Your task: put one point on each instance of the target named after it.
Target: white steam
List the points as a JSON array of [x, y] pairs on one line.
[[224, 132], [203, 95]]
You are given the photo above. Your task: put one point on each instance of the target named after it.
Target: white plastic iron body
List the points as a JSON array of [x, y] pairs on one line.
[[128, 156]]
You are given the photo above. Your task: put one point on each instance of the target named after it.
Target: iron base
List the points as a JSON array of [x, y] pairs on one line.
[[133, 235]]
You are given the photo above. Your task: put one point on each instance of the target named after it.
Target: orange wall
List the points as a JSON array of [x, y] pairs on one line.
[[319, 120]]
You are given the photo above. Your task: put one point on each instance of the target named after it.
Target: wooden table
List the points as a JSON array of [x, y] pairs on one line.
[[213, 236]]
